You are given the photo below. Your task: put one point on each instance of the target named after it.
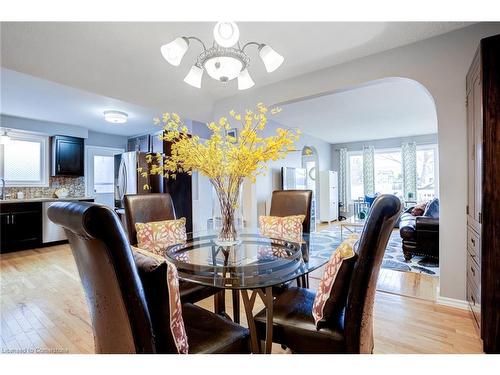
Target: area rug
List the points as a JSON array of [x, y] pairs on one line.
[[393, 257]]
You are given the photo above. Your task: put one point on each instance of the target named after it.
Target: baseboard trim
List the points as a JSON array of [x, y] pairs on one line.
[[452, 302]]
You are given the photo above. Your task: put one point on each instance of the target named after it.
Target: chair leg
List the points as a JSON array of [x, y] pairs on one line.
[[236, 306]]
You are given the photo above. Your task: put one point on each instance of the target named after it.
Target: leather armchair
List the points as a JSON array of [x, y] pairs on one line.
[[420, 235], [127, 295], [350, 330]]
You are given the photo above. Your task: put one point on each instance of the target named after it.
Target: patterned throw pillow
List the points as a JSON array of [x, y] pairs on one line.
[[287, 228], [158, 235], [177, 327], [328, 295], [419, 209]]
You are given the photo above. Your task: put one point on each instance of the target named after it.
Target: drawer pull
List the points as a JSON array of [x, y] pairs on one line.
[[473, 242], [472, 270]]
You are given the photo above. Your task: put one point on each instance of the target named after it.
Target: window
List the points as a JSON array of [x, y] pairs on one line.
[[389, 172], [25, 160], [427, 172], [355, 175]]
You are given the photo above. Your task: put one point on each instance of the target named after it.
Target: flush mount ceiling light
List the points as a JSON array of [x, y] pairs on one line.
[[225, 60], [115, 117]]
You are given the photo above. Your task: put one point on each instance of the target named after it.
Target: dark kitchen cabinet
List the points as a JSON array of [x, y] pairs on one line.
[[21, 226], [141, 143], [67, 156]]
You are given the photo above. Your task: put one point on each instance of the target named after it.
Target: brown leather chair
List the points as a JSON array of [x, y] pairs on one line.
[[127, 297], [144, 208], [292, 202], [350, 330]]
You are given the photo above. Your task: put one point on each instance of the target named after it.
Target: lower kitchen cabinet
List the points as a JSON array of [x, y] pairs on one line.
[[21, 226]]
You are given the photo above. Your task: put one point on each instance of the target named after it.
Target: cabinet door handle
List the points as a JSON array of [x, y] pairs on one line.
[[472, 298], [473, 242], [8, 219], [58, 167], [12, 219], [472, 270]]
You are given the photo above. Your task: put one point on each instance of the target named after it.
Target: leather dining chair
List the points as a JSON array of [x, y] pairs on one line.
[[294, 202], [144, 208], [350, 330], [127, 294]]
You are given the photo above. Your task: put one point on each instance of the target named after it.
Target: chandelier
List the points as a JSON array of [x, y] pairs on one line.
[[225, 60]]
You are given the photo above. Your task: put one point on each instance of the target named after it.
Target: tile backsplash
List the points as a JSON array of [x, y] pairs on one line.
[[75, 186]]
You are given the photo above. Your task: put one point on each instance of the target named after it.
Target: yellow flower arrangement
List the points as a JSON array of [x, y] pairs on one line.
[[226, 160]]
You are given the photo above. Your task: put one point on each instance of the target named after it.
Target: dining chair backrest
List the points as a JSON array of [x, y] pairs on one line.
[[293, 202], [144, 208], [113, 289], [358, 321]]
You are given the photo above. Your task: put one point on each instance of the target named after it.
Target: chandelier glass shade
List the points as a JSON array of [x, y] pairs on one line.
[[225, 60]]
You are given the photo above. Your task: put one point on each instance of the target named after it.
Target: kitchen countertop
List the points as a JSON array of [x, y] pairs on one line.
[[29, 200]]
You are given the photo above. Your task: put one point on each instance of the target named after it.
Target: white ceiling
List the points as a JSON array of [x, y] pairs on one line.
[[122, 60], [35, 98], [389, 108]]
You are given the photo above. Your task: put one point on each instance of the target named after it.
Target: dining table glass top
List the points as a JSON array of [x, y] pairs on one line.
[[256, 261]]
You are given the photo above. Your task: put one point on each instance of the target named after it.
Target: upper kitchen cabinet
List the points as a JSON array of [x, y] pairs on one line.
[[67, 156], [140, 143]]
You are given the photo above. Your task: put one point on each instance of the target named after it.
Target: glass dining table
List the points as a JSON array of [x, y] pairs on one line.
[[253, 266]]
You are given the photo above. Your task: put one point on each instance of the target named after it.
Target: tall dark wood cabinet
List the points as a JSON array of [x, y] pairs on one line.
[[483, 199]]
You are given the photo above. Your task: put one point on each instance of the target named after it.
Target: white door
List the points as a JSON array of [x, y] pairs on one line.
[[100, 174]]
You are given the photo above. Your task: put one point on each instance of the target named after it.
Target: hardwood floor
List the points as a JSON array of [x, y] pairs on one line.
[[43, 309]]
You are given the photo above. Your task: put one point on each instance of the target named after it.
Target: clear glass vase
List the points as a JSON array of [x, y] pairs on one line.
[[227, 215]]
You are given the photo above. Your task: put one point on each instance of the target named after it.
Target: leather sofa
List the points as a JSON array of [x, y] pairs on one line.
[[420, 234]]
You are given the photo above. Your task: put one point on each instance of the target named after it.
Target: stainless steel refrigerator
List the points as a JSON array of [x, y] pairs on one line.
[[127, 179]]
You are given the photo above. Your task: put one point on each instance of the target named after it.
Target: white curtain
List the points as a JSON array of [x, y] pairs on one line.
[[369, 170], [409, 159], [343, 178]]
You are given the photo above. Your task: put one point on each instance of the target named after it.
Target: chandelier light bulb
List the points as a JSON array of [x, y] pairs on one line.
[[226, 34], [272, 59], [194, 76], [174, 51], [245, 81]]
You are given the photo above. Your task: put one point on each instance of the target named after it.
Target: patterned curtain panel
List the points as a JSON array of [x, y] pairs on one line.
[[343, 178], [409, 158], [369, 170]]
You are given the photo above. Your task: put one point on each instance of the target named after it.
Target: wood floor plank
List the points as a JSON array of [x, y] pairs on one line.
[[43, 306]]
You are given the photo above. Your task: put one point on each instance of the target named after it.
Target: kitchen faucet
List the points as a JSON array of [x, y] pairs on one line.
[[3, 189]]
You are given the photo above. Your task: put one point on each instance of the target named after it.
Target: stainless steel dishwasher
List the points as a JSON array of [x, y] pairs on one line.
[[50, 231]]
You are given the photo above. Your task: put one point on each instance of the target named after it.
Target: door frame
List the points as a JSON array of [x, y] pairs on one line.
[[89, 191]]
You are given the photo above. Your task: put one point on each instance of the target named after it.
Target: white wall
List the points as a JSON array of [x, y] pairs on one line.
[[440, 64]]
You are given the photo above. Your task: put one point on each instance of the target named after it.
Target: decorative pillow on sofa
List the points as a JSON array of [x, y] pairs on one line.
[[287, 228], [432, 209], [419, 209], [151, 268], [157, 235], [331, 295]]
